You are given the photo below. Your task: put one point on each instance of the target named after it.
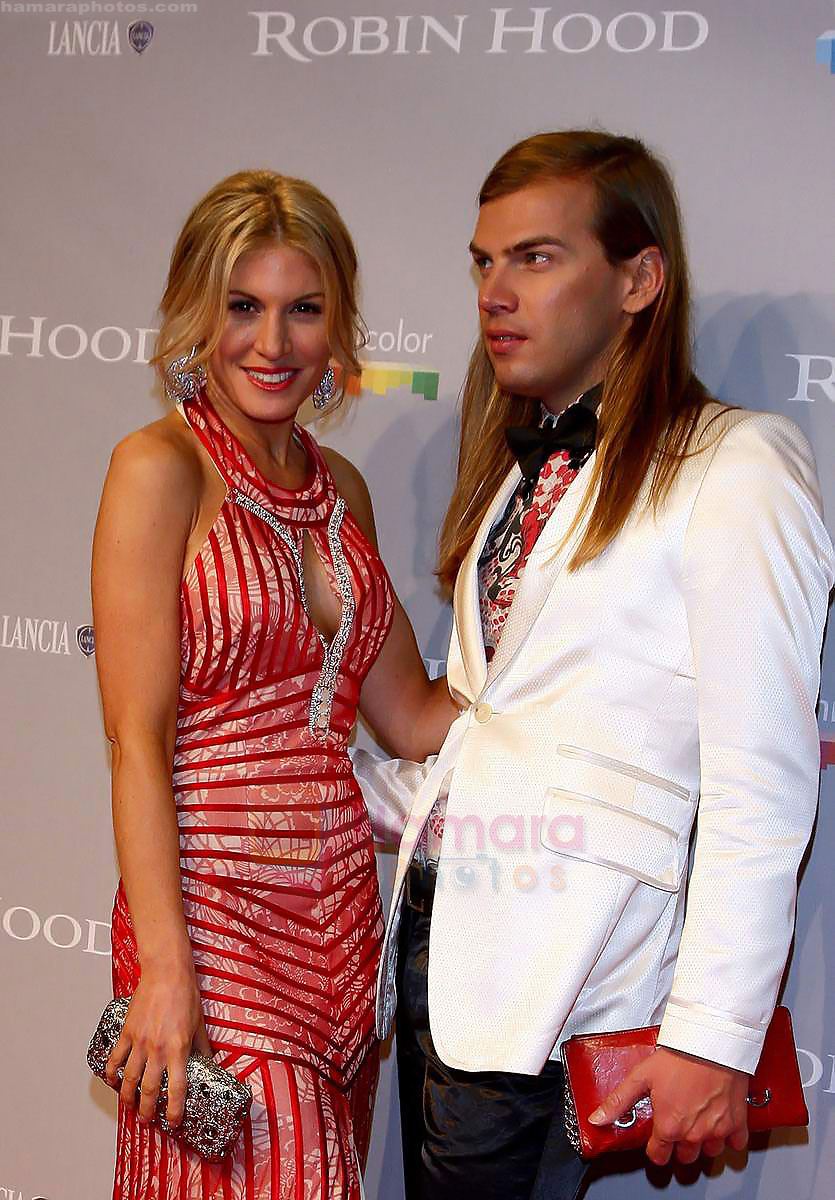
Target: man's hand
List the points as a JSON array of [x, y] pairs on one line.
[[698, 1106]]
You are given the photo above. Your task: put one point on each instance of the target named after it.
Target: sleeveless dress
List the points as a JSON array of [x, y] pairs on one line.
[[277, 859]]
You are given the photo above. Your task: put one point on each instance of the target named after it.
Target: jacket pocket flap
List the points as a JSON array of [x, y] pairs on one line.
[[597, 832]]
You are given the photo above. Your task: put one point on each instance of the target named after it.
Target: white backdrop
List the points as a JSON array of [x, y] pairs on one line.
[[117, 117]]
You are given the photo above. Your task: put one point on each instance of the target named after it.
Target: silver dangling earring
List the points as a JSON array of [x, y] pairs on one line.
[[182, 380], [325, 389]]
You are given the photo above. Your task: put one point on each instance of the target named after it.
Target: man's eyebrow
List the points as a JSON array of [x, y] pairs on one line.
[[545, 239]]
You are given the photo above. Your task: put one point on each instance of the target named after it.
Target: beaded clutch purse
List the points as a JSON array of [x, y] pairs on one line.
[[216, 1104]]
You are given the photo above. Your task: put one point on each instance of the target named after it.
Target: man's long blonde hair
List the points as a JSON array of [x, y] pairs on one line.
[[651, 398], [248, 211]]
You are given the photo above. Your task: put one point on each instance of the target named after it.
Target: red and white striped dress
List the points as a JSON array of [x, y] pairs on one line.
[[277, 859]]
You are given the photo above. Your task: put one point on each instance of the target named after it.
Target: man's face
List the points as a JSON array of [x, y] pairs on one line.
[[550, 303]]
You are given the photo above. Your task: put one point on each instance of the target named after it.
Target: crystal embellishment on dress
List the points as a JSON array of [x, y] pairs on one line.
[[321, 700]]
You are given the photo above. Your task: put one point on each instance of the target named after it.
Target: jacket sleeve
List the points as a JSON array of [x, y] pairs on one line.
[[757, 570], [389, 787]]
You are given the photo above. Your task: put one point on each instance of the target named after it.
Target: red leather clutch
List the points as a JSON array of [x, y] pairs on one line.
[[595, 1064]]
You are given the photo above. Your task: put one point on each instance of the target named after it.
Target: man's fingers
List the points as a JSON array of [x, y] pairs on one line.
[[659, 1150], [739, 1139], [619, 1102], [688, 1152], [713, 1147]]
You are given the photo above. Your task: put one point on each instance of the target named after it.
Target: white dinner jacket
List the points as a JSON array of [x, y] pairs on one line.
[[669, 683]]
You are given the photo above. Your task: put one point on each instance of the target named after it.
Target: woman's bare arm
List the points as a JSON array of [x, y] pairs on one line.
[[150, 499]]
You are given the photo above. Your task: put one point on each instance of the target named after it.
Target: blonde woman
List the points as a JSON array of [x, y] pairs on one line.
[[242, 615]]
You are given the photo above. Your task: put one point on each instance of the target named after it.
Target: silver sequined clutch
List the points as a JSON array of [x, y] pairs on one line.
[[216, 1104]]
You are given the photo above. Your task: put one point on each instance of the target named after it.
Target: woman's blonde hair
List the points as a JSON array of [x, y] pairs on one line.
[[247, 211], [652, 399]]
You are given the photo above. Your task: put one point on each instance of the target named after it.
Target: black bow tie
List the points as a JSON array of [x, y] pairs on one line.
[[575, 430]]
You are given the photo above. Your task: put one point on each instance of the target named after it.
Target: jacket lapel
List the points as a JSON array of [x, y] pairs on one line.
[[465, 596], [542, 570]]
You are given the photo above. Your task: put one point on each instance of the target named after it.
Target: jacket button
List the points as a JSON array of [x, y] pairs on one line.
[[483, 712]]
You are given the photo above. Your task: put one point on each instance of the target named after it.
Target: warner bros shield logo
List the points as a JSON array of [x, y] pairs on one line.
[[140, 34], [86, 640]]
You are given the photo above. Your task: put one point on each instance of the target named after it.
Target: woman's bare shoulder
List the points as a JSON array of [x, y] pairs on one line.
[[162, 454], [351, 485]]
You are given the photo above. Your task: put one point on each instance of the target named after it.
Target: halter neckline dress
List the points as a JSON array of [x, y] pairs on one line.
[[277, 859]]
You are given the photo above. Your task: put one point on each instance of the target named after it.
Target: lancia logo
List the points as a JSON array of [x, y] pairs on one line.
[[140, 34], [86, 640]]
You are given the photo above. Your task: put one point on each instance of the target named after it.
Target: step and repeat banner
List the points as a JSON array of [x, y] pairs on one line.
[[117, 117]]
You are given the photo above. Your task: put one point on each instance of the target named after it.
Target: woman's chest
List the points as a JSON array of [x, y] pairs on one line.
[[266, 597]]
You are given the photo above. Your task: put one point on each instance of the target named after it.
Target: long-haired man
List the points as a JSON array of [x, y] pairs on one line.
[[641, 578]]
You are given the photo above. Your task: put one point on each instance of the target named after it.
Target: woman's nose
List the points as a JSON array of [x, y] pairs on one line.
[[273, 336]]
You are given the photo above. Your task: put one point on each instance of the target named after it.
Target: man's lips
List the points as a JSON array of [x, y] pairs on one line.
[[503, 341], [271, 379]]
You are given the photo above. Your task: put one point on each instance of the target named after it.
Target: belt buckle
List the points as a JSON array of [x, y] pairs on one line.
[[418, 906]]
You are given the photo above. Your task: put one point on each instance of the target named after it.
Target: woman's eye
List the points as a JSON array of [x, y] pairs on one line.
[[241, 306], [307, 306]]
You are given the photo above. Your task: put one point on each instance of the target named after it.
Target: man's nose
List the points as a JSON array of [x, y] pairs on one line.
[[494, 296]]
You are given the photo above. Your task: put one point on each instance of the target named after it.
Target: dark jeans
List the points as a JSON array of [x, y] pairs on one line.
[[488, 1135]]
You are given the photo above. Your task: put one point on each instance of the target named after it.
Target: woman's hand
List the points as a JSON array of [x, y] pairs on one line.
[[164, 1022]]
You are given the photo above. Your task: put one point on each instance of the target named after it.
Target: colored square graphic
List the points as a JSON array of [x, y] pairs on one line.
[[825, 50], [382, 377]]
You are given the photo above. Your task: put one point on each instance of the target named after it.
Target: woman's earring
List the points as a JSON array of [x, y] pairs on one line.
[[182, 379], [324, 389]]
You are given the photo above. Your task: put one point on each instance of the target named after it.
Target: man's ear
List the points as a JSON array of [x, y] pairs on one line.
[[645, 274]]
